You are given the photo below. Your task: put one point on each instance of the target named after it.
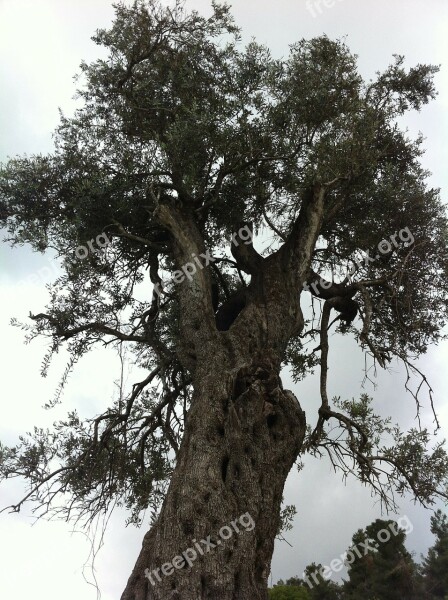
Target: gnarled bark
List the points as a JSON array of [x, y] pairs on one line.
[[243, 434]]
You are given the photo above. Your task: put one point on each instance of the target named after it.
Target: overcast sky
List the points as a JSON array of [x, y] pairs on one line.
[[42, 43]]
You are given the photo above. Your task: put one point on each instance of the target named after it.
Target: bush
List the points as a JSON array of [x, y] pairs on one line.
[[288, 592]]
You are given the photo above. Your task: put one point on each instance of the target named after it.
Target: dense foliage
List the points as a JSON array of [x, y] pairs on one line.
[[435, 565], [379, 567], [181, 117]]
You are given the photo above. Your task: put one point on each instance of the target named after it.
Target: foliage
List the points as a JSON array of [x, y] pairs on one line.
[[382, 569], [435, 565], [405, 461], [322, 588], [288, 592], [180, 117], [287, 517]]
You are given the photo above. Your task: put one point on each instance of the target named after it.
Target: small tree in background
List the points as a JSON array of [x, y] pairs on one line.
[[320, 588], [435, 565], [381, 569], [288, 592]]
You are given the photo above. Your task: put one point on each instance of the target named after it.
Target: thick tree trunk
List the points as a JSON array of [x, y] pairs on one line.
[[215, 535]]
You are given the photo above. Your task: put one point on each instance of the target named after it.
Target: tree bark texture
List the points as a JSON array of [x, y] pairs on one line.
[[243, 431], [242, 437]]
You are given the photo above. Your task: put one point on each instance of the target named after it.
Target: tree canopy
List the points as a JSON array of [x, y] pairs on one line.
[[184, 138], [435, 564], [382, 568], [288, 592]]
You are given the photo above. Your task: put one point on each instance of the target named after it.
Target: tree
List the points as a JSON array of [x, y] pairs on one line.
[[379, 566], [297, 581], [288, 592], [187, 146], [435, 565], [319, 586]]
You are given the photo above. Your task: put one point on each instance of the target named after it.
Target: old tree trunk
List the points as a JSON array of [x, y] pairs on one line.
[[184, 141], [243, 432], [234, 460]]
